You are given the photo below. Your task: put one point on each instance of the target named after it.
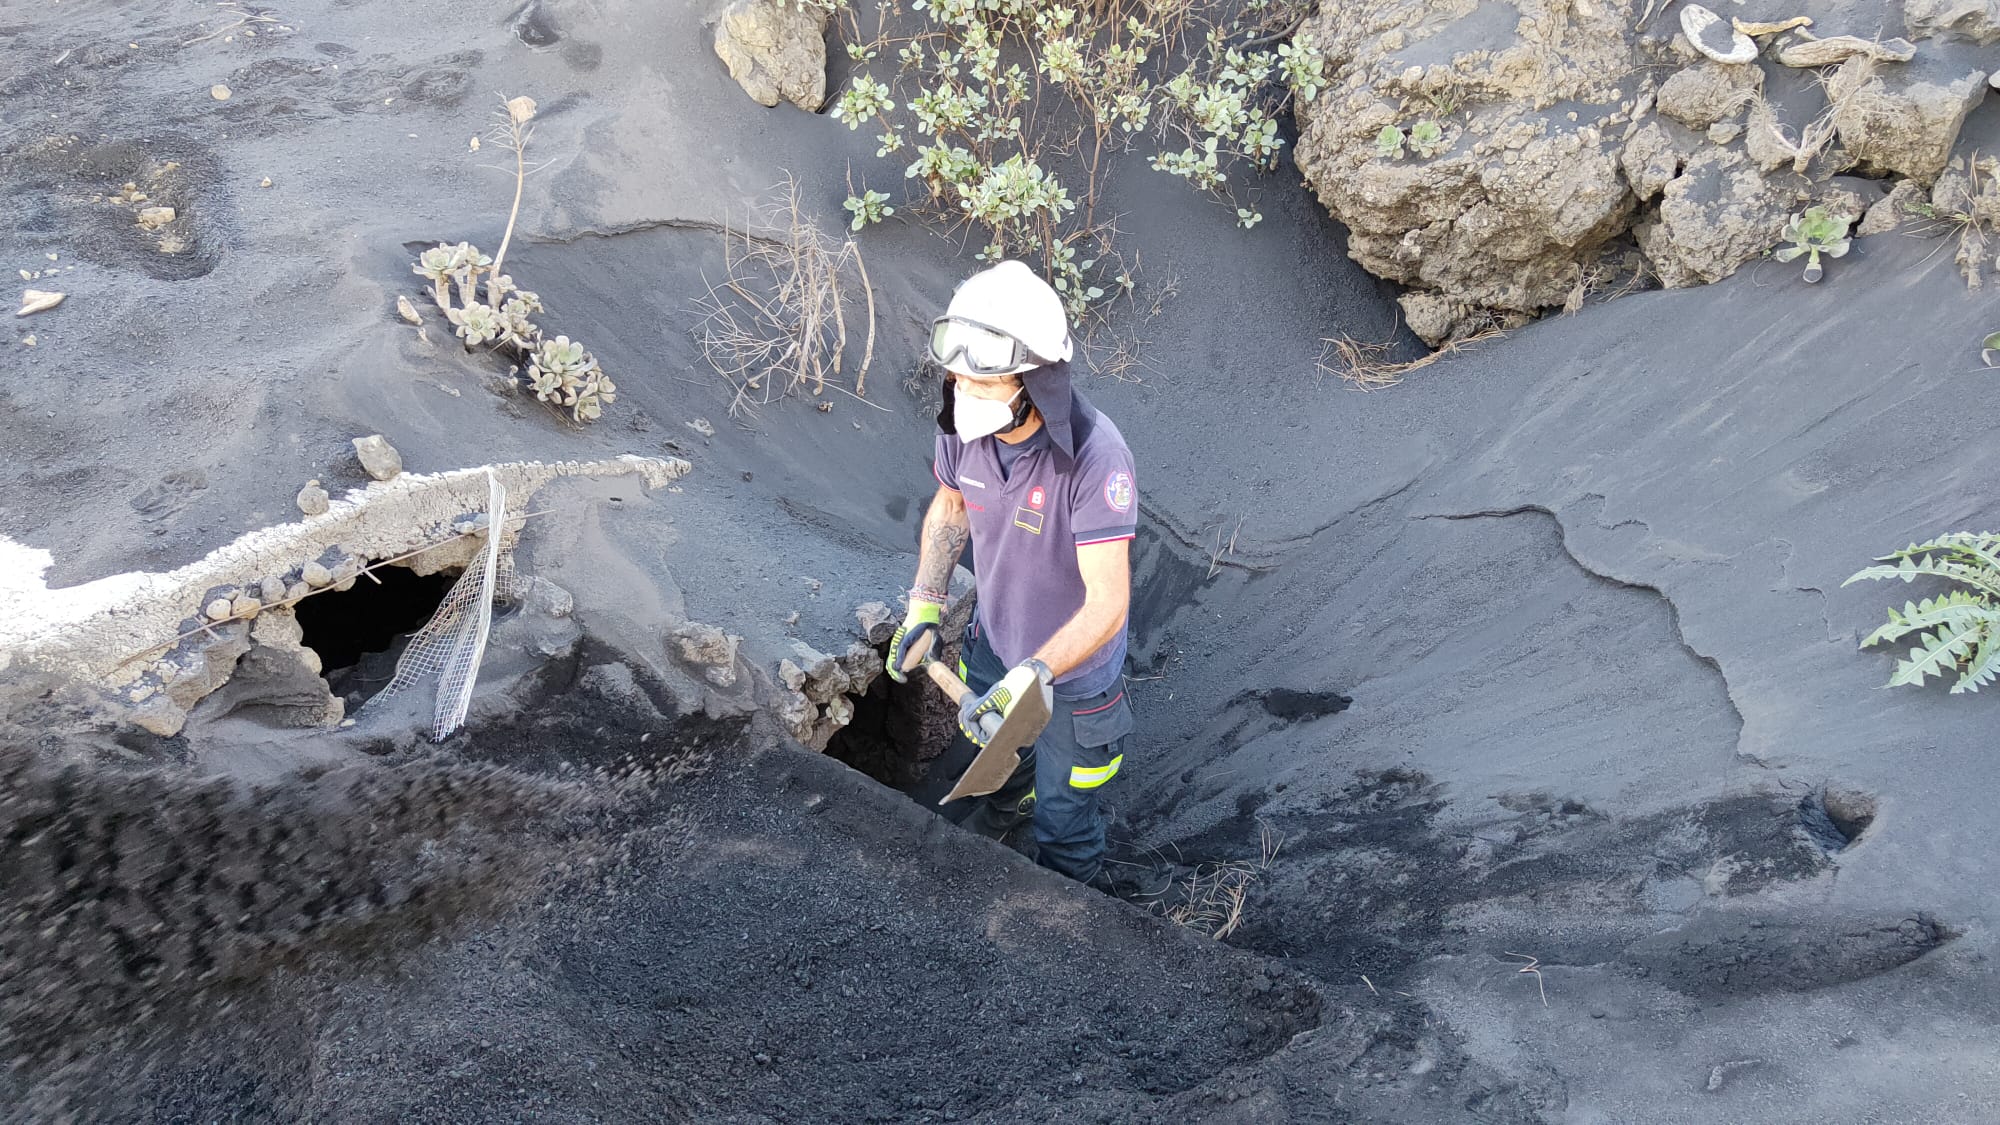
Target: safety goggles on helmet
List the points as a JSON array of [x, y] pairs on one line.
[[979, 348]]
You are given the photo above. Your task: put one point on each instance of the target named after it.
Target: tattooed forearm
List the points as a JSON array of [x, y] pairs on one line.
[[946, 529]]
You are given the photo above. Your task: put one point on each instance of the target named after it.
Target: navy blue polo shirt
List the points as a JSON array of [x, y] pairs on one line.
[[1028, 522]]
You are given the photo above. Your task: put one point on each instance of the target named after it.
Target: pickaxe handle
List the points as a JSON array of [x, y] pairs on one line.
[[954, 688]]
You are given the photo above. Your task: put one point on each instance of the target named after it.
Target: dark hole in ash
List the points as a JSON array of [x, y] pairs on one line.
[[890, 731], [360, 632], [1292, 706], [1836, 818]]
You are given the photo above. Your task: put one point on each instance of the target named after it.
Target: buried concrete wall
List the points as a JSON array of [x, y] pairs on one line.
[[151, 646]]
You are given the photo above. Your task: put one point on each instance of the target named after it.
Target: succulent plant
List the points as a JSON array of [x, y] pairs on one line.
[[1427, 138], [555, 369], [467, 264], [476, 323], [436, 266], [563, 374], [1812, 233], [1389, 143], [515, 317], [596, 392]]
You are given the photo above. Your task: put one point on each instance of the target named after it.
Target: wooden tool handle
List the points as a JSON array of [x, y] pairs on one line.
[[921, 651], [949, 681]]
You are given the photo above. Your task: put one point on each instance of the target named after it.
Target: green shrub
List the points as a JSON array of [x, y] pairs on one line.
[[956, 101]]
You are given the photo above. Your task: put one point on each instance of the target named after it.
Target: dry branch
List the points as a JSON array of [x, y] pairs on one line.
[[1362, 364], [777, 322]]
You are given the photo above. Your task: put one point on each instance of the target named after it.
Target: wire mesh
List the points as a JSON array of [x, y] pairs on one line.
[[448, 649]]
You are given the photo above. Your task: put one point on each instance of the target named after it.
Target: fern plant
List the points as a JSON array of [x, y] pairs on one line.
[[1958, 631]]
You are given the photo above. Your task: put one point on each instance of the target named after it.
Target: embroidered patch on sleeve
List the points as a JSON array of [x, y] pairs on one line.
[[1118, 491]]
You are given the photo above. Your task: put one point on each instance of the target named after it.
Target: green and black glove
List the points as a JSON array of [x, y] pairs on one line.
[[980, 716], [908, 641]]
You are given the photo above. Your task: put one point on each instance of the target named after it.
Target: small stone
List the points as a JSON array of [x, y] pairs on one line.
[[839, 711], [245, 605], [705, 645], [316, 575], [878, 621], [312, 499], [818, 665], [266, 183], [218, 610], [153, 218], [1892, 210], [701, 426], [271, 590], [1722, 132], [297, 590], [791, 675], [219, 92], [378, 456], [29, 340], [406, 310]]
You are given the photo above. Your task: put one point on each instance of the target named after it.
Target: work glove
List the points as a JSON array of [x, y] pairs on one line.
[[920, 622], [977, 716]]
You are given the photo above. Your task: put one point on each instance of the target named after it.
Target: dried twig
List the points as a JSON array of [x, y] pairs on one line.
[[1534, 965], [777, 321], [244, 19], [1362, 364], [512, 132], [1222, 551], [1216, 893], [867, 349]]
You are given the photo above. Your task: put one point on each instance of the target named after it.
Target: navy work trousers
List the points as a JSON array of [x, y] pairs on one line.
[[1060, 776]]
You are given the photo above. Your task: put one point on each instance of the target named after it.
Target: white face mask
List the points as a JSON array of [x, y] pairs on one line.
[[976, 418]]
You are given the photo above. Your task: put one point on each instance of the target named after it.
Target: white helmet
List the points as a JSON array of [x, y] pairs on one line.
[[991, 313]]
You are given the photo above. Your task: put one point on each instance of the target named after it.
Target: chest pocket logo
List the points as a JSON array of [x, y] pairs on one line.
[[1028, 519]]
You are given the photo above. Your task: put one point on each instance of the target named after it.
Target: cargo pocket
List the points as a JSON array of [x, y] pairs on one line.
[[1100, 725]]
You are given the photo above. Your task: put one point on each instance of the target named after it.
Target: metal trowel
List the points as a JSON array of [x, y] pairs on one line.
[[1004, 738]]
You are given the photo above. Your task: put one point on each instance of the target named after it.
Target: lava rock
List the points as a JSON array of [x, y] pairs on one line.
[[1707, 92], [378, 457], [1901, 121], [776, 51], [708, 647], [312, 499]]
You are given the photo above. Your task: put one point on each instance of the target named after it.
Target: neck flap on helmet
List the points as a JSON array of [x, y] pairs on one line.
[[1049, 390]]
